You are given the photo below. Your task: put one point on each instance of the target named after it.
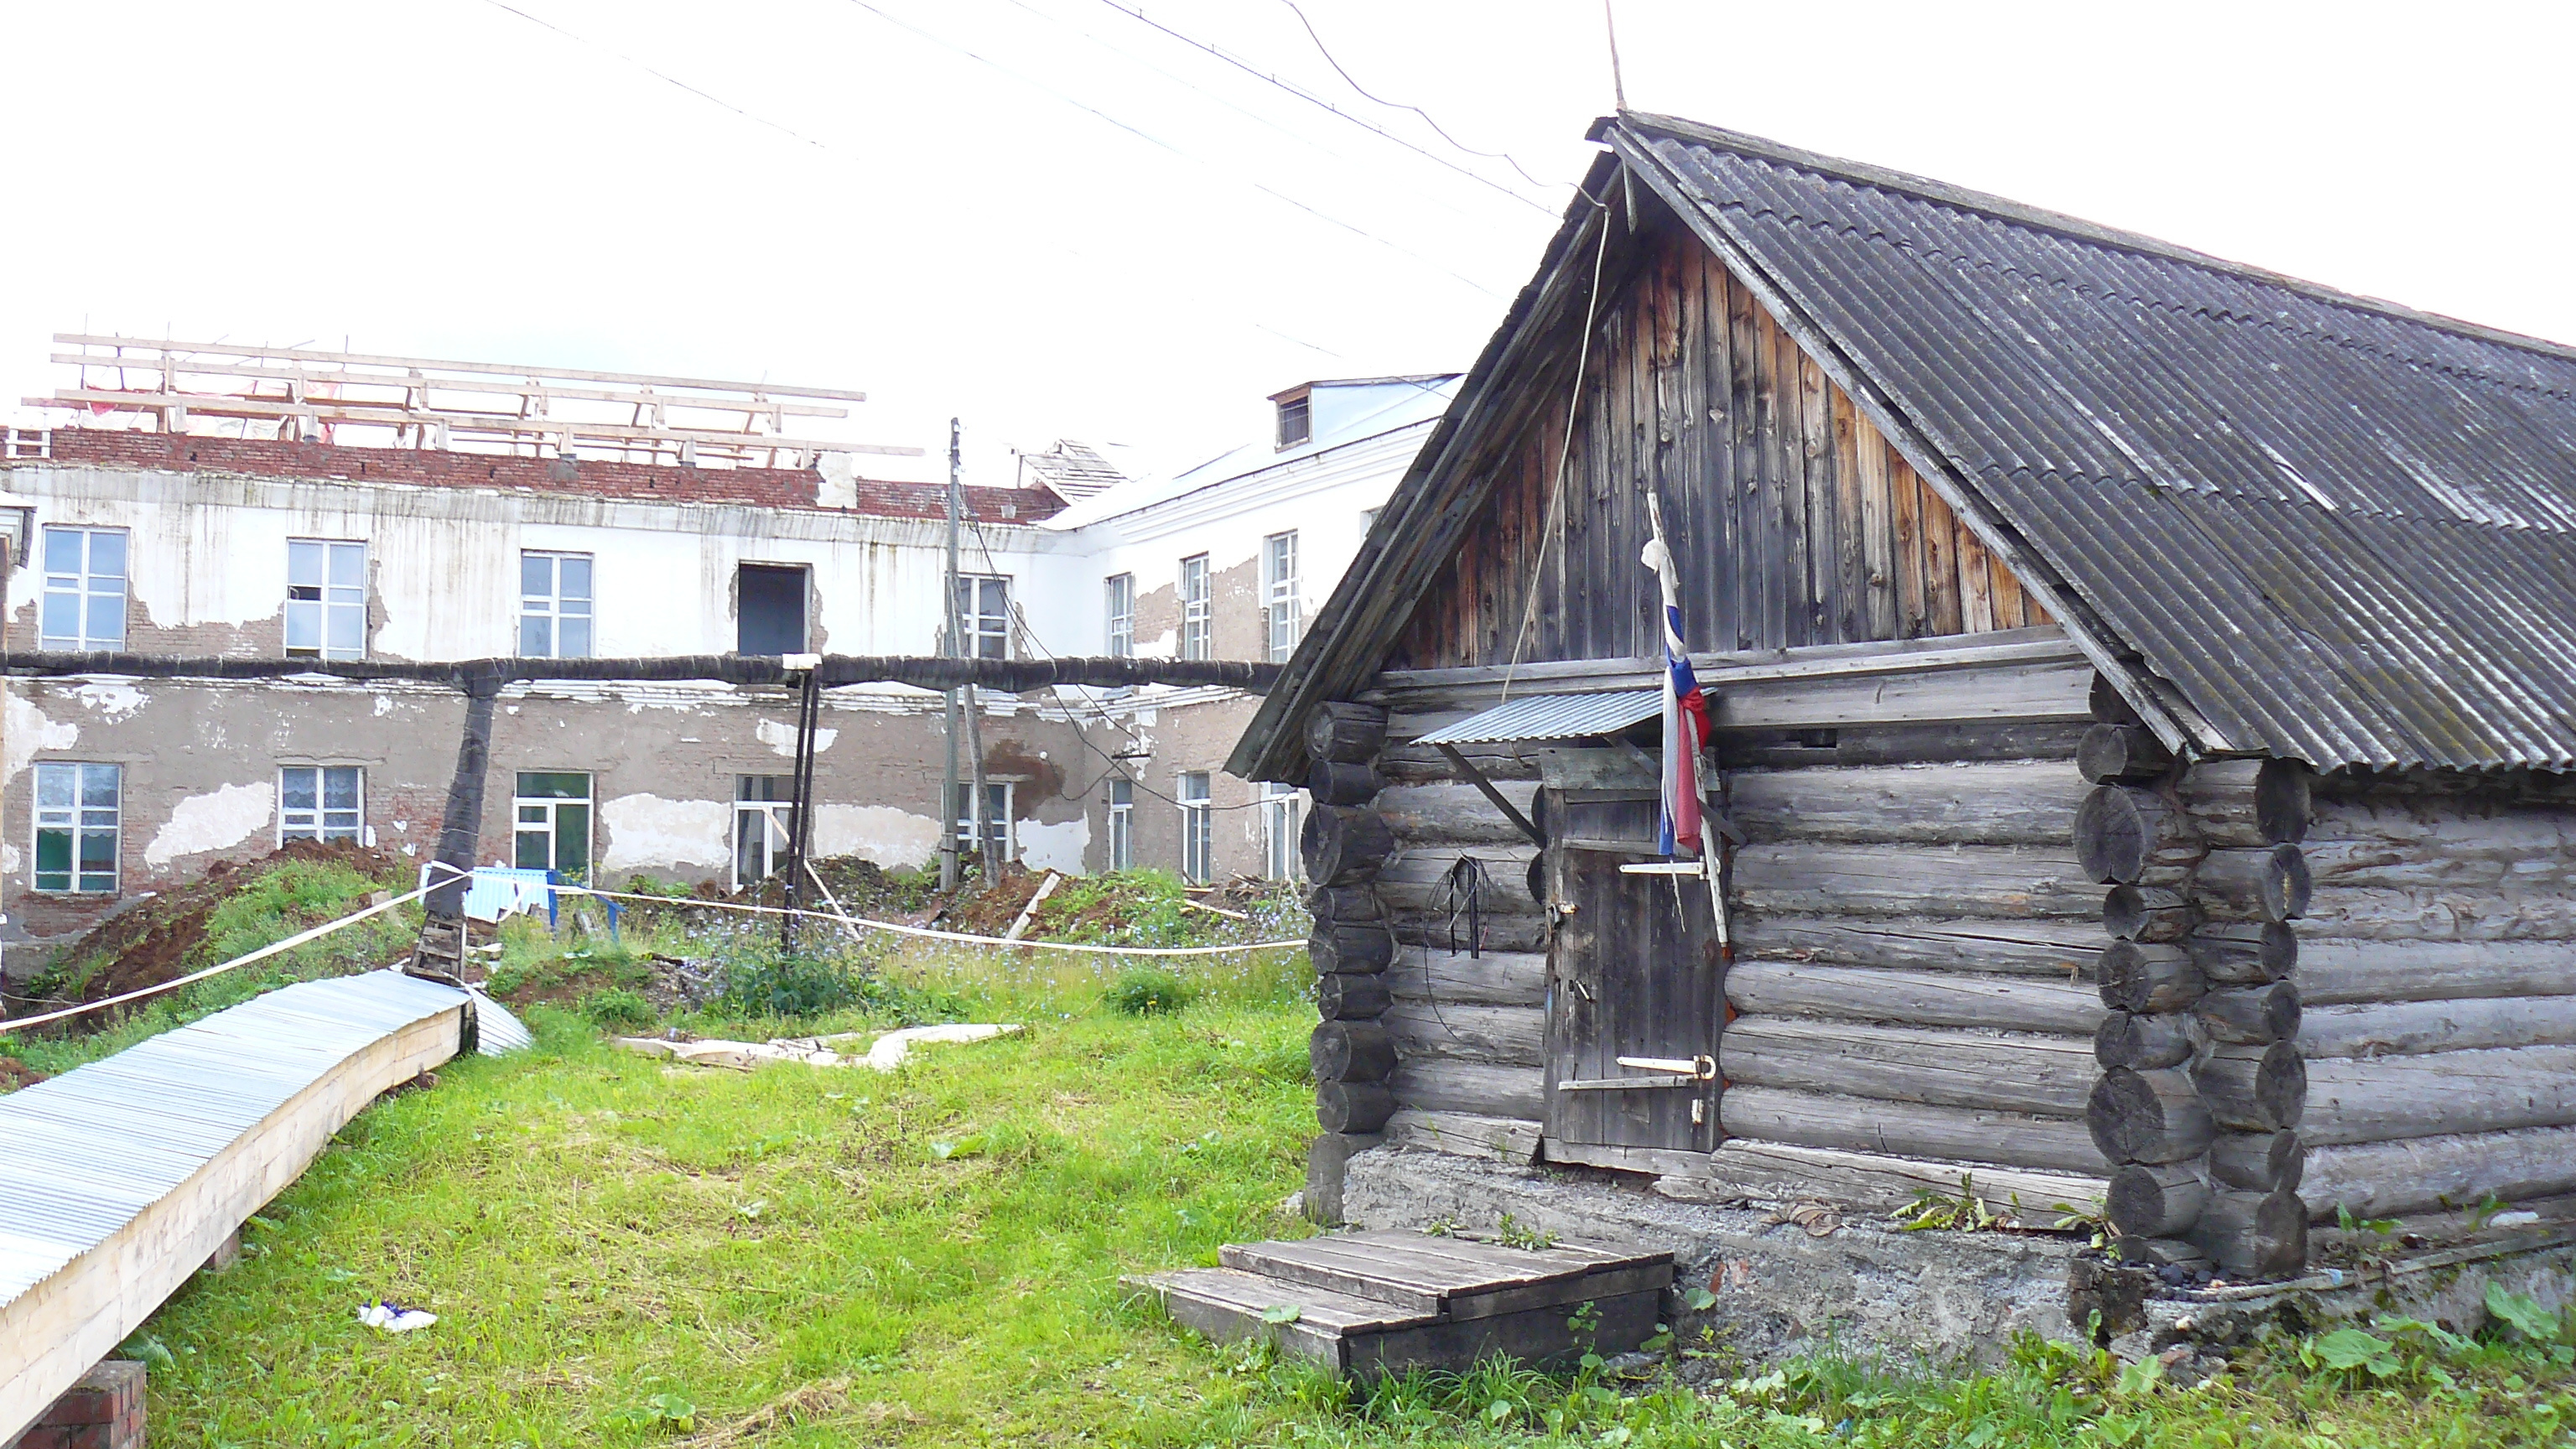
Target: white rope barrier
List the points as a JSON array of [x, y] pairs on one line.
[[926, 934], [18, 1023], [12, 1024]]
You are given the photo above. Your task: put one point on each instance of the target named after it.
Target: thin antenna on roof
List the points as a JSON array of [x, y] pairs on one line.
[[1618, 87]]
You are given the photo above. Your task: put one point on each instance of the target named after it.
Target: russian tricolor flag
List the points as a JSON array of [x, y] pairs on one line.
[[1686, 729]]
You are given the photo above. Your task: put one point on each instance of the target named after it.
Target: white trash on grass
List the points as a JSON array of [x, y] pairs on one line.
[[394, 1318], [886, 1053]]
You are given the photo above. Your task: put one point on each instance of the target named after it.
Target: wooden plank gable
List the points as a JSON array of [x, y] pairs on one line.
[[1795, 520]]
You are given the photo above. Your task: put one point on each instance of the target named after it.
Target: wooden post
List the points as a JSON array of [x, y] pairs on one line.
[[440, 951]]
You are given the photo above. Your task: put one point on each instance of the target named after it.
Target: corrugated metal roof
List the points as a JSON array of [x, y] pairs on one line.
[[1551, 717], [2344, 530], [89, 1150]]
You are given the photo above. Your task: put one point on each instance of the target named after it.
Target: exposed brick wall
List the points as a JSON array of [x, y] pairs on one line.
[[103, 1411], [427, 468]]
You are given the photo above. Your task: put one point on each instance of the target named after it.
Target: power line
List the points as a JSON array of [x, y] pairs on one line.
[[827, 147], [1154, 140], [756, 120], [1503, 156], [1310, 98]]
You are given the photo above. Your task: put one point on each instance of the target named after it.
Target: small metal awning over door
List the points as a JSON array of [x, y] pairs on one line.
[[1551, 717]]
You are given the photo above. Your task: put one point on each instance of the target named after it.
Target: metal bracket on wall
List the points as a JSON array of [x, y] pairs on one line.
[[1467, 771]]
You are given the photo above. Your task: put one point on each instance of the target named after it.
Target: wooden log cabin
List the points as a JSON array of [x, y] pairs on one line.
[[2144, 691]]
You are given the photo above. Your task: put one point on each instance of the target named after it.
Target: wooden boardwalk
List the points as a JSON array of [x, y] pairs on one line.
[[118, 1179]]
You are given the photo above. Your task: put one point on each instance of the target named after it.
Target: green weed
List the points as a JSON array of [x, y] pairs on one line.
[[1148, 991]]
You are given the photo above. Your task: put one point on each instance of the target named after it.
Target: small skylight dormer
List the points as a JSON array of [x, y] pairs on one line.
[[1296, 415]]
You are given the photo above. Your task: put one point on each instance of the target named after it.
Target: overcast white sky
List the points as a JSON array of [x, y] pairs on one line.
[[1053, 220]]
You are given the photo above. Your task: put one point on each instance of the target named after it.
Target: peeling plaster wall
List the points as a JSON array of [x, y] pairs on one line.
[[200, 762], [217, 821]]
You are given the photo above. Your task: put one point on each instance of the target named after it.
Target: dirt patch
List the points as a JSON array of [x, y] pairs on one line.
[[15, 1074], [158, 938], [668, 982]]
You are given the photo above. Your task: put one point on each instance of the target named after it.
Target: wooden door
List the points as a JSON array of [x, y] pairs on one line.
[[1634, 972]]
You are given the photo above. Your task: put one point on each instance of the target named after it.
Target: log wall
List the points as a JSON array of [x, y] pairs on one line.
[[1908, 986], [2438, 961], [1910, 995]]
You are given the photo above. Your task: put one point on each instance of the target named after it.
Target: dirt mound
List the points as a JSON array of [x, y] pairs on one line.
[[158, 937], [15, 1074], [862, 887]]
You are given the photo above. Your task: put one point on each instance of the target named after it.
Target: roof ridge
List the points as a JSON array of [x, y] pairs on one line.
[[2024, 214]]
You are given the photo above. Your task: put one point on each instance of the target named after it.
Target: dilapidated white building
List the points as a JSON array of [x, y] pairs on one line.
[[229, 531]]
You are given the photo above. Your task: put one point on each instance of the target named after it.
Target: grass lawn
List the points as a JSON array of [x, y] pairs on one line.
[[624, 1252]]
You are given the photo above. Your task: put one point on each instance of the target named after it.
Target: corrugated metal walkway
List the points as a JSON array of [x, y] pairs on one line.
[[117, 1179]]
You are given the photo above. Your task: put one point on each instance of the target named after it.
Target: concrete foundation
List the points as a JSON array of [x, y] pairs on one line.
[[1864, 1286], [1780, 1289]]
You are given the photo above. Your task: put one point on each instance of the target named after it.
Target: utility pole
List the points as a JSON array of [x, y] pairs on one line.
[[948, 647]]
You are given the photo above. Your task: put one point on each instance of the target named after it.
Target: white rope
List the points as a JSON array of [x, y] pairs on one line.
[[12, 1024], [926, 934]]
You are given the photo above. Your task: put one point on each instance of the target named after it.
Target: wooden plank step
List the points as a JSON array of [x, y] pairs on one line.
[[1226, 1304], [1452, 1277], [1362, 1337]]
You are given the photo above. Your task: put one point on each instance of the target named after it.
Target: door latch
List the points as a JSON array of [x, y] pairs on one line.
[[1704, 1067]]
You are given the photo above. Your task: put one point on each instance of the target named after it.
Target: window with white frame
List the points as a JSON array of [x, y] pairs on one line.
[[552, 814], [996, 822], [326, 599], [1282, 812], [1122, 824], [1198, 828], [554, 605], [76, 827], [1122, 616], [1279, 609], [1195, 616], [321, 802], [84, 605], [984, 616], [764, 819]]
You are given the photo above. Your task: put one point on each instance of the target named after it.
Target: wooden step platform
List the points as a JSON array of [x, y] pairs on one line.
[[1370, 1303]]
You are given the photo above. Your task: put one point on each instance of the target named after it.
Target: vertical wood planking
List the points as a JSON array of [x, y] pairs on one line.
[[1940, 562], [1879, 529], [1793, 519], [1824, 502], [1976, 585], [1851, 610], [1717, 454], [1744, 423], [1691, 490], [1796, 608], [2007, 594], [1913, 597]]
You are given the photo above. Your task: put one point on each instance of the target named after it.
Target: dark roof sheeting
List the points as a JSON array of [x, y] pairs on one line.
[[2345, 531]]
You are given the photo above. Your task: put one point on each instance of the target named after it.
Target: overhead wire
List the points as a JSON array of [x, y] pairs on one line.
[[1312, 99], [1151, 139], [1042, 237], [1326, 52], [709, 96], [1565, 450]]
